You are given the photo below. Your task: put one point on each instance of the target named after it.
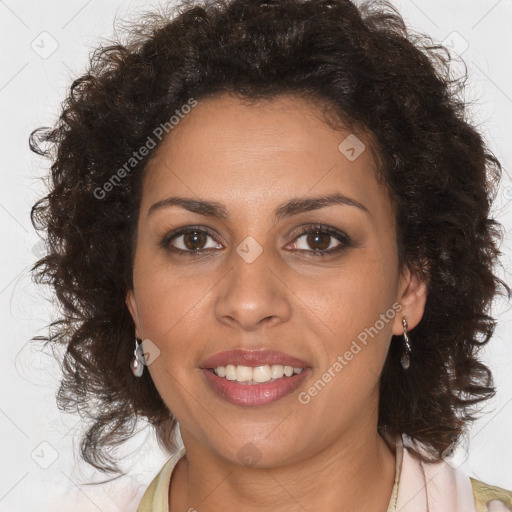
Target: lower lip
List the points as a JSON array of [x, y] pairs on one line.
[[254, 394]]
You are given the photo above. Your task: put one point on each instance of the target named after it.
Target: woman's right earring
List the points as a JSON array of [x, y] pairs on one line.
[[137, 362], [405, 360]]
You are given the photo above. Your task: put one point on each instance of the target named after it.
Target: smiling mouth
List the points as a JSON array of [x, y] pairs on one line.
[[248, 392], [251, 375]]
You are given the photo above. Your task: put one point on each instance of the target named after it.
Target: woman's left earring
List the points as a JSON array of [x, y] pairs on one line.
[[405, 360], [137, 362]]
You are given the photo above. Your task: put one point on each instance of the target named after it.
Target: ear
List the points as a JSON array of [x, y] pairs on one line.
[[131, 303], [412, 295]]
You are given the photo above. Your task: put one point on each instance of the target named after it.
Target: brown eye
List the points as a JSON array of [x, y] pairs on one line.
[[190, 241], [321, 240], [194, 240]]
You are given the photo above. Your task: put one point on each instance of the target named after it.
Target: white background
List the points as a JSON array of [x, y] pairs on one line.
[[34, 433]]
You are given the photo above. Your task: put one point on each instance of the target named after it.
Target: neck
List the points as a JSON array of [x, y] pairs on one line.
[[354, 473]]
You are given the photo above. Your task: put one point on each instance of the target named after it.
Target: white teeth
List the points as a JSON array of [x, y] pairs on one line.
[[243, 373], [277, 371], [261, 373], [230, 372], [257, 374]]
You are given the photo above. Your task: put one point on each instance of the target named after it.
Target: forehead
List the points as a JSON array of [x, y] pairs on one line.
[[258, 153]]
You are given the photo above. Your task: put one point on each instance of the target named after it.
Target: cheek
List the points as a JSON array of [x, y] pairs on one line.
[[171, 309], [355, 330], [355, 309], [172, 317]]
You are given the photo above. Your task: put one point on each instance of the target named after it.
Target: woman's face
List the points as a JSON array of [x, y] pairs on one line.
[[251, 280]]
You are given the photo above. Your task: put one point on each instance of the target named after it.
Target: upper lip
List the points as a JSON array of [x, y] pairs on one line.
[[252, 358]]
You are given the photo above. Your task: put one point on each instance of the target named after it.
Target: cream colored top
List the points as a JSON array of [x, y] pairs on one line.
[[418, 487], [155, 498]]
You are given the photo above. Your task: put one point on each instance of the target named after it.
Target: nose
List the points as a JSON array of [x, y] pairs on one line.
[[253, 295]]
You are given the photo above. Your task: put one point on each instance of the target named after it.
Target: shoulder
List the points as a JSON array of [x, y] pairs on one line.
[[490, 497]]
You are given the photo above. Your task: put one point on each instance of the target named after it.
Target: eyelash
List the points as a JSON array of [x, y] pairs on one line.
[[340, 236]]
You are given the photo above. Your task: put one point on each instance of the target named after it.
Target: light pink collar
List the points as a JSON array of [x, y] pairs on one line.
[[419, 486], [430, 487]]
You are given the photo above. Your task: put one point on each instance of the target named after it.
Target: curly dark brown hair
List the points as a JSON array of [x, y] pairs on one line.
[[372, 72]]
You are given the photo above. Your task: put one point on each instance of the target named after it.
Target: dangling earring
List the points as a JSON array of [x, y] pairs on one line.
[[405, 360], [137, 362]]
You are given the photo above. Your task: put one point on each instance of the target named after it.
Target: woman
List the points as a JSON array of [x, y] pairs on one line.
[[269, 224]]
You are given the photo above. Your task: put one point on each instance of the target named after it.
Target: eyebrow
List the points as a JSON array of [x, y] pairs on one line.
[[288, 209]]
